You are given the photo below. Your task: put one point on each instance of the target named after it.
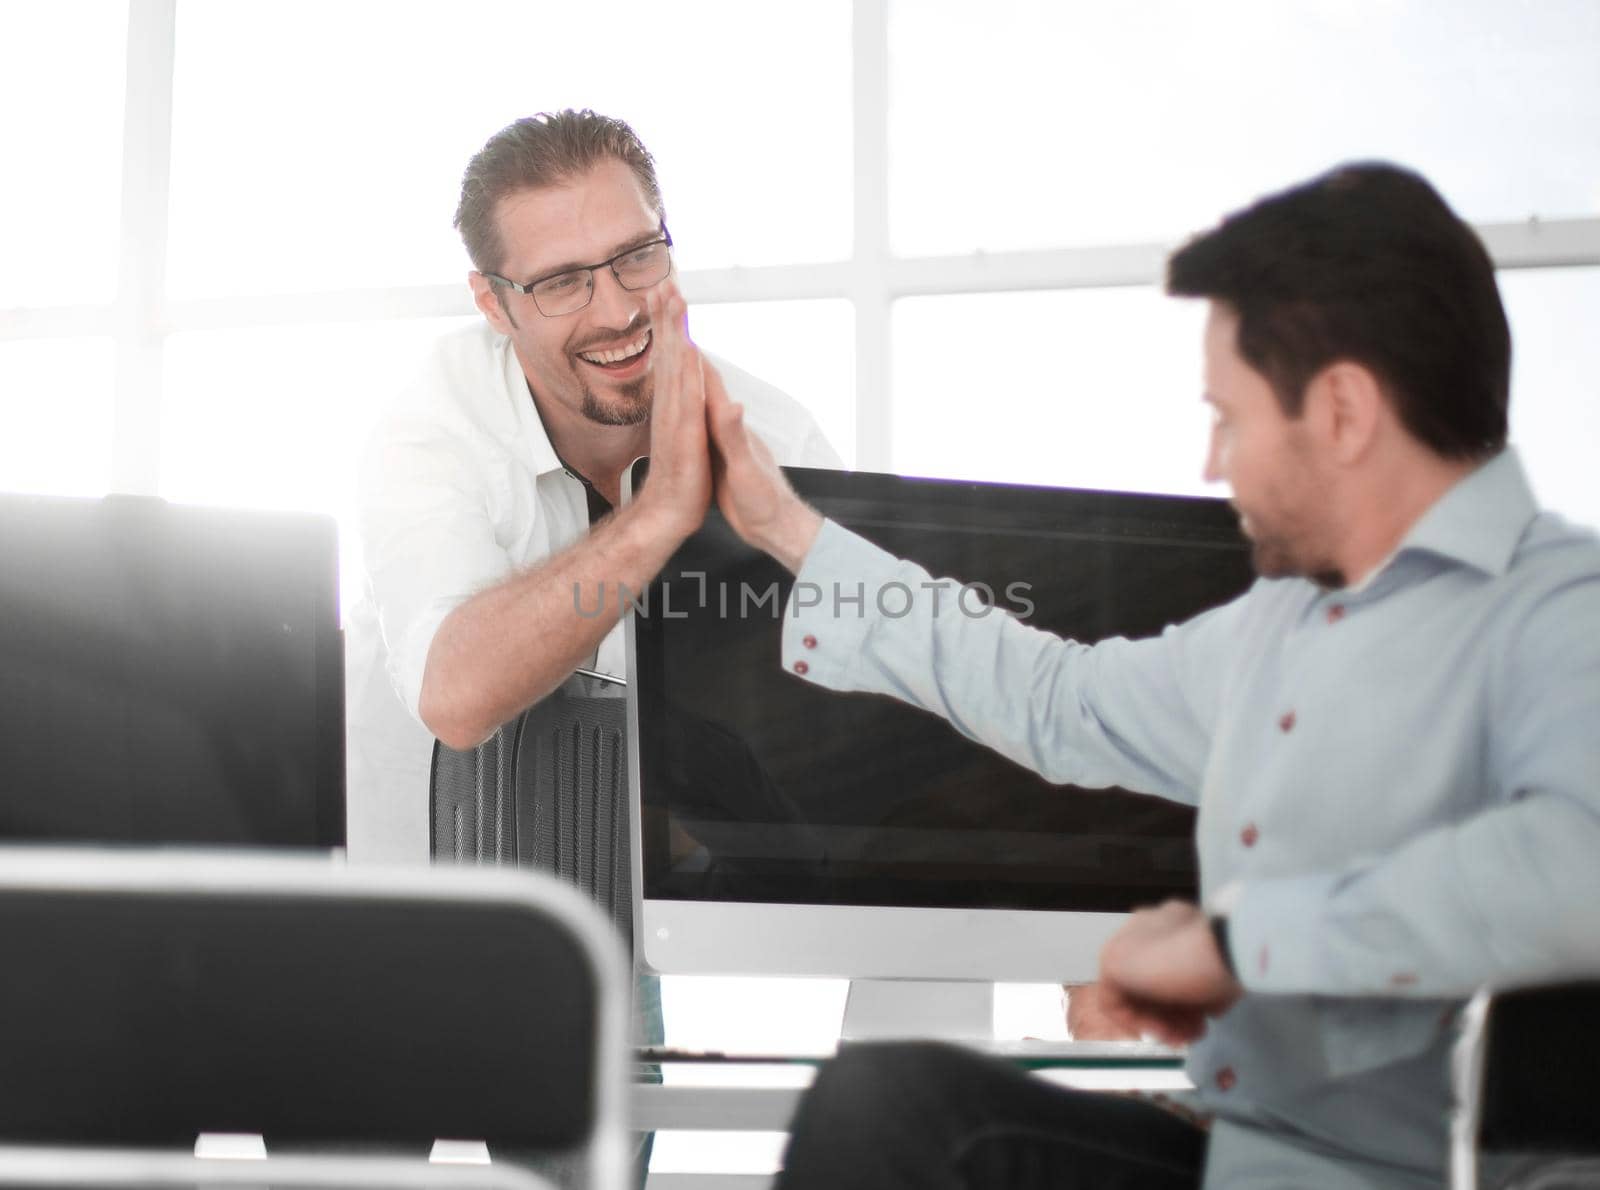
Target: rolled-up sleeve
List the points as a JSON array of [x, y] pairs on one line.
[[428, 540]]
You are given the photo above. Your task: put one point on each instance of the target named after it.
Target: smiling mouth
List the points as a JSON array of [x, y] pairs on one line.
[[617, 358]]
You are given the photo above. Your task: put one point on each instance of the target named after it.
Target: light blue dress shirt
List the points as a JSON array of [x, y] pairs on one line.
[[1398, 791]]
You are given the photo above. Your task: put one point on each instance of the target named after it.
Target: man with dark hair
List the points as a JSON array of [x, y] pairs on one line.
[[1391, 737], [493, 555], [1334, 269]]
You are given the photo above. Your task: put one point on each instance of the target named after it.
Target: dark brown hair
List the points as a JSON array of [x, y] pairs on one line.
[[1365, 263], [536, 151]]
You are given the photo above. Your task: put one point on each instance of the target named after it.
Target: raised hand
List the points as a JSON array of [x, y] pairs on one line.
[[751, 490], [679, 486]]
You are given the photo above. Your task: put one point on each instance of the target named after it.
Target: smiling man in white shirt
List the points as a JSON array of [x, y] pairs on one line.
[[489, 486]]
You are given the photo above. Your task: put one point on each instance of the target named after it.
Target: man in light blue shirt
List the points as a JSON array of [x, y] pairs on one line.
[[1393, 738]]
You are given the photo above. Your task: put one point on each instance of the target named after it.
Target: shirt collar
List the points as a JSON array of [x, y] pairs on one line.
[[1481, 519], [544, 454]]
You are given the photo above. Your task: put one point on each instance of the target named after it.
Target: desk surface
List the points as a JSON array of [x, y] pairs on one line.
[[748, 1106]]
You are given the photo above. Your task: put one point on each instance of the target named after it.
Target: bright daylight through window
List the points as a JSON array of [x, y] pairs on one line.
[[939, 225]]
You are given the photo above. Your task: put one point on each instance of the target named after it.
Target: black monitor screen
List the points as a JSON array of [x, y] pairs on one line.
[[169, 674], [756, 786]]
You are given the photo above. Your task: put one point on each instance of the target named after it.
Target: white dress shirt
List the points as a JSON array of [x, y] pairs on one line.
[[459, 488]]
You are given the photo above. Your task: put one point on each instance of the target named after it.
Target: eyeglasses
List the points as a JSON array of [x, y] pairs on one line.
[[571, 290]]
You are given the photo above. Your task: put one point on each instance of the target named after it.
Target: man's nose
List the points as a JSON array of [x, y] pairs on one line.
[[614, 306]]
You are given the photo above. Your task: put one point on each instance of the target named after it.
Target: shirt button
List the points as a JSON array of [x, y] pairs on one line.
[[1226, 1078], [801, 668], [809, 641], [1286, 722], [1335, 612], [1249, 835]]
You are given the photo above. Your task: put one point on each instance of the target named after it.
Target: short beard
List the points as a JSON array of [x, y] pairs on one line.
[[632, 409]]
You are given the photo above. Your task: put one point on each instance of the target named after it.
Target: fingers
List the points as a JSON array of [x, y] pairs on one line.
[[676, 362], [1088, 1019], [678, 405], [1161, 1022], [669, 319], [726, 416], [680, 472]]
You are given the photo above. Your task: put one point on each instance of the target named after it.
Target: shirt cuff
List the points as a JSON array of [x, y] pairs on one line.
[[1275, 933], [832, 605]]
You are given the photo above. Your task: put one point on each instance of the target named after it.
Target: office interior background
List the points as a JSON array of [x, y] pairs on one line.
[[225, 231]]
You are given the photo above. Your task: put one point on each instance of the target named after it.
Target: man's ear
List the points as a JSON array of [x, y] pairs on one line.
[[488, 300], [1346, 404]]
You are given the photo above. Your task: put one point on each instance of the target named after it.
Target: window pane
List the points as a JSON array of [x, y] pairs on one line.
[[349, 175], [762, 338], [1126, 415], [1095, 388], [1555, 384], [277, 417], [62, 71], [1116, 123], [55, 416]]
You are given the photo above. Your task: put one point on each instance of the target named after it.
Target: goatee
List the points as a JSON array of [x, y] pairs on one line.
[[630, 408]]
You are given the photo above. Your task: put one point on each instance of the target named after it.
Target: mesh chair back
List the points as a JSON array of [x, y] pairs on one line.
[[547, 791]]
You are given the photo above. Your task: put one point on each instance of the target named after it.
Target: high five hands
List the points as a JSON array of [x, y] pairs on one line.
[[1161, 974], [699, 442]]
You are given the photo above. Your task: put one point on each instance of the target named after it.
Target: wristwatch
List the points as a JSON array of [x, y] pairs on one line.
[[1219, 932]]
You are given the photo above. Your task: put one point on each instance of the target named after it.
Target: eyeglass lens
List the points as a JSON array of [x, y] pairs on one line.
[[642, 267]]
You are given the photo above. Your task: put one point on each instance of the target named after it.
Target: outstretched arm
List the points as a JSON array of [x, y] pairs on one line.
[[1135, 714], [511, 644]]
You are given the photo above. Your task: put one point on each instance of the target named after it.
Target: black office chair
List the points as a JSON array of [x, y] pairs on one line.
[[1527, 1117], [549, 790], [149, 996]]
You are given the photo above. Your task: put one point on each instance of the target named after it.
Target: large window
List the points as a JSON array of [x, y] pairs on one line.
[[1036, 124], [56, 412], [940, 226], [320, 146], [225, 228], [61, 88], [1086, 388]]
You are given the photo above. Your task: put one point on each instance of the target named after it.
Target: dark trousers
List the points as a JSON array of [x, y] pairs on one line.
[[933, 1117]]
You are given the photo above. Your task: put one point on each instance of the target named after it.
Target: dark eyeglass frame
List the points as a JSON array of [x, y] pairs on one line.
[[527, 288]]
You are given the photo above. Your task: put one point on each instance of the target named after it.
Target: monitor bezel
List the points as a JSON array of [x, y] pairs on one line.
[[882, 942]]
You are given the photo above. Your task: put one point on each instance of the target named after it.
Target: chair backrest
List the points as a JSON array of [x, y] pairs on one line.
[[149, 996], [1526, 1114], [44, 1168], [547, 791]]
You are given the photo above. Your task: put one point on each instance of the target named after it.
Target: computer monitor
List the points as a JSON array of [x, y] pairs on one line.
[[169, 674], [788, 830]]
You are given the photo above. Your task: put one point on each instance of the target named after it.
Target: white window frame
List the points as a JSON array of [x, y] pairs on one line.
[[872, 279]]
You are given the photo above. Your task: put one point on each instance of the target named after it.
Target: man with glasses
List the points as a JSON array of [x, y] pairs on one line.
[[491, 544]]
